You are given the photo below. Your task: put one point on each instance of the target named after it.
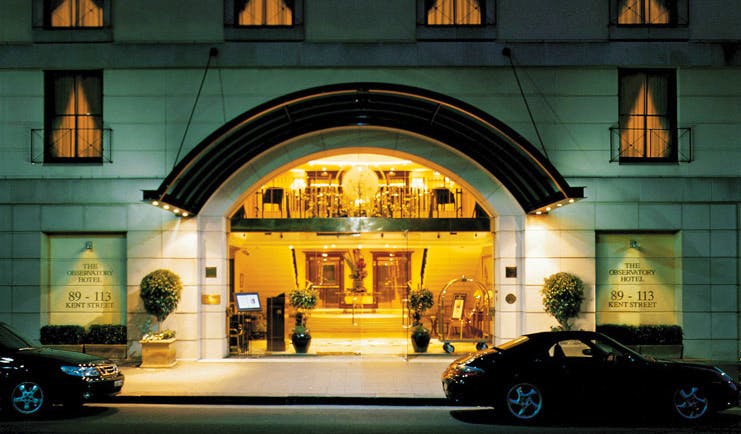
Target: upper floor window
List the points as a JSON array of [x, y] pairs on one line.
[[73, 13], [647, 115], [73, 121], [264, 12], [646, 12], [454, 12]]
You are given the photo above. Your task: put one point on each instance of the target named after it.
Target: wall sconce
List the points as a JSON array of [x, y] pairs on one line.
[[88, 245], [635, 244]]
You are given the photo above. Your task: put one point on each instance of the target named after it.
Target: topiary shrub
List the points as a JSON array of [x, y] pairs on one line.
[[562, 297], [420, 300], [109, 334], [62, 335], [160, 291]]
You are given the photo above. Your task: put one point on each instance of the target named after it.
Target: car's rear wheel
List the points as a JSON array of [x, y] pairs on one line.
[[524, 401], [690, 402], [27, 398]]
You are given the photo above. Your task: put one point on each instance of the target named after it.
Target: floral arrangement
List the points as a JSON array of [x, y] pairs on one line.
[[420, 300], [303, 300], [356, 262]]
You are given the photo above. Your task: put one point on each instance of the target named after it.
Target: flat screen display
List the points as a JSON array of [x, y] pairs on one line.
[[247, 301]]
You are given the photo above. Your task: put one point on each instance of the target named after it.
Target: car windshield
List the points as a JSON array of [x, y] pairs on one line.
[[11, 339]]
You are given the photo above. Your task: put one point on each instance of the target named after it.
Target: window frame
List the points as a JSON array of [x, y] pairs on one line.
[[484, 31], [676, 29], [44, 32], [671, 76], [50, 115], [235, 32]]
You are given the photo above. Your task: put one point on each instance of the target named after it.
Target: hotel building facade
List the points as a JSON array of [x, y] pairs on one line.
[[472, 147]]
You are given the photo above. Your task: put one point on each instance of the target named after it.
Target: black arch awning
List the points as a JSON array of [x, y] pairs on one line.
[[521, 168]]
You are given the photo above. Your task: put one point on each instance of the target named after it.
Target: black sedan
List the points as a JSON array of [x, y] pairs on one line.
[[32, 378], [553, 372]]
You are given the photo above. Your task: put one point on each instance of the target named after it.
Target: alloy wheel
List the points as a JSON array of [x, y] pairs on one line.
[[27, 398], [524, 401], [690, 402]]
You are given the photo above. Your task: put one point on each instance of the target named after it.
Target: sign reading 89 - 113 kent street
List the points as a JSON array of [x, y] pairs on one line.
[[636, 279], [87, 280]]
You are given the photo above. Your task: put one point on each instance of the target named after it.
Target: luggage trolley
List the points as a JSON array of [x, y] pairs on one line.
[[464, 313]]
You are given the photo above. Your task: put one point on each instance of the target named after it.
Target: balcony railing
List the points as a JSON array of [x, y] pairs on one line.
[[97, 146], [638, 145]]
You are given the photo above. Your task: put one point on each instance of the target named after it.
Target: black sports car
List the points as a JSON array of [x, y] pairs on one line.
[[548, 372], [32, 378]]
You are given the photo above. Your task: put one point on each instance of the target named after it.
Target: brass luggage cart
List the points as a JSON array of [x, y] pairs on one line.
[[464, 313]]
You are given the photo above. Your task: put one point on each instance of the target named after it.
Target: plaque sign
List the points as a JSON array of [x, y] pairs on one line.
[[637, 279], [87, 280]]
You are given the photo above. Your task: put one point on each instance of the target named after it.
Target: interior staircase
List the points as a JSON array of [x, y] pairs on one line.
[[362, 324]]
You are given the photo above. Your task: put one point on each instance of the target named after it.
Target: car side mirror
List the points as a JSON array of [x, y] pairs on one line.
[[587, 352]]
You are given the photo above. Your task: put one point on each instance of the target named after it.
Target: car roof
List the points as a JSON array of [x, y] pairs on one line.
[[562, 334]]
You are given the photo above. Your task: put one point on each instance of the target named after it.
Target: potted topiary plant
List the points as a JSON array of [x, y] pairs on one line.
[[562, 297], [160, 291], [420, 300], [303, 300]]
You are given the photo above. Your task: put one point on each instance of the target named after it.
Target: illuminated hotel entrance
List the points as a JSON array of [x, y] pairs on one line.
[[363, 229], [456, 200]]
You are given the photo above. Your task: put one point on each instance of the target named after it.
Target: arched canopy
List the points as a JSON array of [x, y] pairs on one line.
[[509, 157]]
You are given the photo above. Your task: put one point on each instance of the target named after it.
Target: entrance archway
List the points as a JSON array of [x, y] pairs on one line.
[[509, 176]]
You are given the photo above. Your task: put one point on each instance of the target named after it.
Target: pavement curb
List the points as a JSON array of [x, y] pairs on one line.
[[278, 400]]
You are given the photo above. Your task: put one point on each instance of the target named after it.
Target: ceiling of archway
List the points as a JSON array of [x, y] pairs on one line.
[[512, 160]]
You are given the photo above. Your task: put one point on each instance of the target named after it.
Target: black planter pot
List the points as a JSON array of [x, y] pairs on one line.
[[301, 342], [420, 339]]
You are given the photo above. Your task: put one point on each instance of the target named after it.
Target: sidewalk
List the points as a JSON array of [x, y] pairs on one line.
[[325, 379], [300, 379]]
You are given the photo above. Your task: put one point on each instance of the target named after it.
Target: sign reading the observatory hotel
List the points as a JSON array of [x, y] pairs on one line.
[[636, 279], [86, 280]]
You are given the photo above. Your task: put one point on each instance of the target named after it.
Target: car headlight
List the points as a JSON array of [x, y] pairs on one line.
[[469, 371], [81, 371]]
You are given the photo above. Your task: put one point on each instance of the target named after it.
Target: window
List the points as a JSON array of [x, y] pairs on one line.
[[646, 12], [454, 13], [73, 13], [263, 20], [73, 121], [264, 12], [647, 111]]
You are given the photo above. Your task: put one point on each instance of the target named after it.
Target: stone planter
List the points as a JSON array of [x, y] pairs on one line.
[[660, 351], [158, 354], [66, 347], [108, 351]]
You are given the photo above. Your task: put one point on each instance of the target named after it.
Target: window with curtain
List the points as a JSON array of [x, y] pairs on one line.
[[454, 12], [74, 116], [647, 110], [73, 13], [646, 12], [264, 12]]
